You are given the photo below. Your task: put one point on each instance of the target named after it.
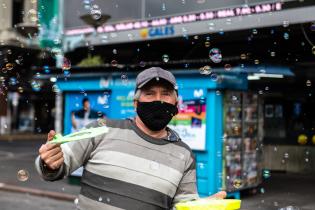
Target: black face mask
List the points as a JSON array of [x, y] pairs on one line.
[[156, 114]]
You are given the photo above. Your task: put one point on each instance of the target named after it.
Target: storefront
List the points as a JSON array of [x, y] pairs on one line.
[[217, 118]]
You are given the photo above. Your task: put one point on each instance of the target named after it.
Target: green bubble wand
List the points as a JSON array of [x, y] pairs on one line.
[[80, 135]]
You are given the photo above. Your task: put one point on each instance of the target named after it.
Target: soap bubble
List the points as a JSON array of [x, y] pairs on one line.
[[142, 64], [163, 7], [22, 175], [114, 63], [36, 85], [234, 98], [285, 23], [262, 190], [96, 12], [154, 165], [207, 44], [66, 64], [9, 66], [227, 67], [214, 77], [32, 15], [12, 81], [66, 73], [19, 60], [286, 36], [20, 89], [37, 75], [237, 183], [4, 70], [205, 70], [165, 58], [243, 56], [55, 89], [124, 78], [76, 201], [46, 69], [266, 174], [215, 55]]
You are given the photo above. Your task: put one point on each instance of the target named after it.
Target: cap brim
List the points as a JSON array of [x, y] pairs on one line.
[[147, 81]]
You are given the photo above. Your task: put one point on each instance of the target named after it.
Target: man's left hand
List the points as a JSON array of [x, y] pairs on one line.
[[218, 195]]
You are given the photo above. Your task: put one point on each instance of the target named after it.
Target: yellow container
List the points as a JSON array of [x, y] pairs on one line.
[[210, 204]]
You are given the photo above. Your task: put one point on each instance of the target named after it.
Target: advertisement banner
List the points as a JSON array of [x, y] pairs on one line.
[[81, 109], [190, 122]]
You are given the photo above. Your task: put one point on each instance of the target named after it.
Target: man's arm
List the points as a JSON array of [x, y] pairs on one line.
[[56, 161], [187, 188]]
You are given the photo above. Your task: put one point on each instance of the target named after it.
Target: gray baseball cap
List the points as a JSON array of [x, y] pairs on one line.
[[154, 73]]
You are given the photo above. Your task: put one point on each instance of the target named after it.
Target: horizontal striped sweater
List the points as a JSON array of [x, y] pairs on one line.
[[128, 169]]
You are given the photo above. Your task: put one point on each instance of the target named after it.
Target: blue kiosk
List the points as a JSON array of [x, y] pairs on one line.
[[200, 122]]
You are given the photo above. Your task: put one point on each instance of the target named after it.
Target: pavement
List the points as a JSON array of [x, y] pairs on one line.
[[25, 201], [279, 192]]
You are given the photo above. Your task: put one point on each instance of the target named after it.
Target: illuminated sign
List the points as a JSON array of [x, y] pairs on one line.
[[157, 32], [189, 18]]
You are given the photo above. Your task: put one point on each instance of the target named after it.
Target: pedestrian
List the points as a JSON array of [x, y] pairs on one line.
[[139, 163]]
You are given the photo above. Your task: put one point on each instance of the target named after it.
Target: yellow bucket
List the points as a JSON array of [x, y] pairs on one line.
[[210, 204]]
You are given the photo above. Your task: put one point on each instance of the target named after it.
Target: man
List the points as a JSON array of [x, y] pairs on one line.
[[82, 117], [139, 164]]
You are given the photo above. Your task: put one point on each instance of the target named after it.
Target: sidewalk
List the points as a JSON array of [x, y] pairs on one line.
[[23, 137], [37, 192]]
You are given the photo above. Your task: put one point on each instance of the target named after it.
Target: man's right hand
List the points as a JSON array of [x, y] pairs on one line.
[[51, 154]]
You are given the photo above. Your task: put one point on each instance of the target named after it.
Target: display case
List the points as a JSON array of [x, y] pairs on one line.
[[242, 155]]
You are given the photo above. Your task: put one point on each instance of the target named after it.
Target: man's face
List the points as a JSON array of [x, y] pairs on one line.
[[86, 105], [157, 91]]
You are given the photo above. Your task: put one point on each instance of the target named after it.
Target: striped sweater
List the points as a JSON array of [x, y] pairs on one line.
[[128, 169]]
